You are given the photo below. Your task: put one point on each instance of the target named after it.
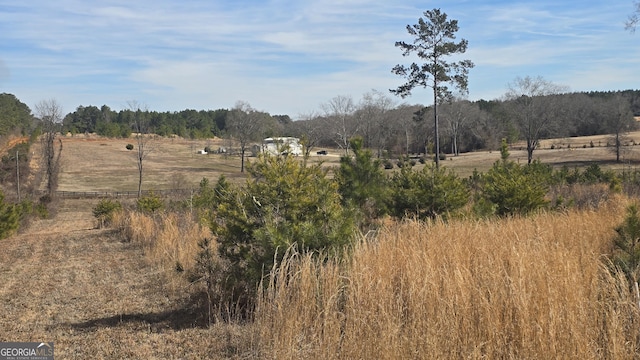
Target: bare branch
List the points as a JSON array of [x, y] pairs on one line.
[[633, 19], [50, 114], [141, 125]]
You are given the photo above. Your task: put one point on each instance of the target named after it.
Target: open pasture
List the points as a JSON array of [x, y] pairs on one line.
[[92, 163]]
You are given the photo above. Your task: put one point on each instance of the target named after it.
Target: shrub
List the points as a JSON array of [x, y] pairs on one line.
[[512, 190], [570, 177], [42, 211], [515, 189], [208, 198], [284, 204], [592, 174], [129, 146], [427, 193], [104, 211], [9, 218], [150, 203], [626, 254], [207, 269], [484, 208], [361, 182], [615, 184]]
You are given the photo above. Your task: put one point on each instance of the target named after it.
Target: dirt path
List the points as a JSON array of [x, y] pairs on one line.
[[95, 297]]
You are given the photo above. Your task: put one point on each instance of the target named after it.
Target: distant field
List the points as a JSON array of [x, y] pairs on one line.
[[91, 163], [101, 164], [98, 164], [572, 152]]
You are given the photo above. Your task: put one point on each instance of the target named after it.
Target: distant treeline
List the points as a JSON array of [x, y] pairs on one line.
[[195, 124], [383, 124]]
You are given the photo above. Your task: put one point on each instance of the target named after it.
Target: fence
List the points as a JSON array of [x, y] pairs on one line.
[[119, 194]]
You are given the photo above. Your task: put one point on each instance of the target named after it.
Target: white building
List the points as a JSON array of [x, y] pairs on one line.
[[282, 145]]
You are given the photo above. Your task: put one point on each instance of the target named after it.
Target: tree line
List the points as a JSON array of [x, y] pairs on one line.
[[532, 109], [525, 113], [188, 123]]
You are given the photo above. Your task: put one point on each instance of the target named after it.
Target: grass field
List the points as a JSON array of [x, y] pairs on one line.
[[96, 164], [519, 288], [532, 288]]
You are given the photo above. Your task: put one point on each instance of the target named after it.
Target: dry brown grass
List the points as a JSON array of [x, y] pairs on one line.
[[516, 288], [101, 164], [170, 240], [96, 297], [532, 288], [525, 288]]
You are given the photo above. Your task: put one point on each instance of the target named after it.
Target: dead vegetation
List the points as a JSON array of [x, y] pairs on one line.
[[91, 163], [524, 288], [519, 288], [95, 296]]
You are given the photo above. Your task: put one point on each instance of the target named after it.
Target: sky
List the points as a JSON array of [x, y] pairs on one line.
[[292, 56]]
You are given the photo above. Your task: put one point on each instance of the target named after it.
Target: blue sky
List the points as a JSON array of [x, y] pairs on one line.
[[291, 56]]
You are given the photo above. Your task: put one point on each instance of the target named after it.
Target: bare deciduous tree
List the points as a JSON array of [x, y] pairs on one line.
[[487, 130], [456, 115], [533, 108], [339, 116], [245, 125], [619, 121], [309, 129], [408, 126], [50, 114], [372, 114], [141, 125]]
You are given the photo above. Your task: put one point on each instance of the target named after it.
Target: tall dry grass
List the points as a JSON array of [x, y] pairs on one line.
[[520, 288], [170, 240]]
